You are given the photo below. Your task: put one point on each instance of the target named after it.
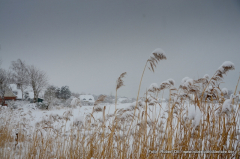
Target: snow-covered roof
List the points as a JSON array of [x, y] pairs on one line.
[[9, 93], [87, 98]]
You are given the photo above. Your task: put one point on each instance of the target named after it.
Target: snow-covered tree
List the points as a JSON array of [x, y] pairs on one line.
[[65, 92], [50, 93], [58, 93], [75, 94], [20, 74], [5, 79], [37, 79]]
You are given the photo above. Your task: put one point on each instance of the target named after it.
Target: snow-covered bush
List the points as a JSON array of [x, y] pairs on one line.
[[67, 102], [42, 105], [12, 104], [50, 93], [75, 102], [56, 102]]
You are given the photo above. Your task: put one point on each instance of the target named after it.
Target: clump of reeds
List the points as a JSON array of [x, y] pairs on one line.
[[218, 76]]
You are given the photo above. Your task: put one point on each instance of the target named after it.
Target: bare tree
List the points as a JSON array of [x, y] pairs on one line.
[[38, 80], [5, 79], [20, 75]]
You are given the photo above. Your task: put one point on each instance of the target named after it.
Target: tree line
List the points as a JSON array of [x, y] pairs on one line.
[[25, 76]]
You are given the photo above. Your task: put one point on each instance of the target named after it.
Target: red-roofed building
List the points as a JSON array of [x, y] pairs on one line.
[[8, 96]]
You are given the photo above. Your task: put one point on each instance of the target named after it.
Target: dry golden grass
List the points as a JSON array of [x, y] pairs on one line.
[[92, 139]]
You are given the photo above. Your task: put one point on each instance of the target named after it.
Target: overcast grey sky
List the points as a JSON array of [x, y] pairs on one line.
[[87, 44]]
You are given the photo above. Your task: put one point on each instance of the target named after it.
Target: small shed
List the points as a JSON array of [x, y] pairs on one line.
[[87, 99]]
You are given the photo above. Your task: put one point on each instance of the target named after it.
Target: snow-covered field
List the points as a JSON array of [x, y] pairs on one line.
[[64, 131], [28, 117]]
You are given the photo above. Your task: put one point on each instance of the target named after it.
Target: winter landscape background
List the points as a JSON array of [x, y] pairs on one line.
[[87, 79]]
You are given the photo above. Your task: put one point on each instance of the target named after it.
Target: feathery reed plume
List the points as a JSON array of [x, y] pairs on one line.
[[206, 76], [171, 81], [120, 81], [218, 76], [201, 80], [119, 84], [157, 55], [227, 66], [99, 100], [223, 69], [164, 85], [97, 109], [153, 87]]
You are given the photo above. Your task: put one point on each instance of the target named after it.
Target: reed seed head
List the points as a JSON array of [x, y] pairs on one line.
[[157, 55], [120, 81], [99, 100]]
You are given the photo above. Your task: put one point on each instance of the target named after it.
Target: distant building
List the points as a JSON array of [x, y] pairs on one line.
[[8, 96], [87, 99], [28, 94]]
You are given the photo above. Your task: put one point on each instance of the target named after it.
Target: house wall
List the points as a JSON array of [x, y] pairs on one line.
[[7, 98]]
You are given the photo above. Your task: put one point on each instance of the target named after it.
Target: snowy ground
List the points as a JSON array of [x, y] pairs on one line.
[[27, 117], [64, 121]]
